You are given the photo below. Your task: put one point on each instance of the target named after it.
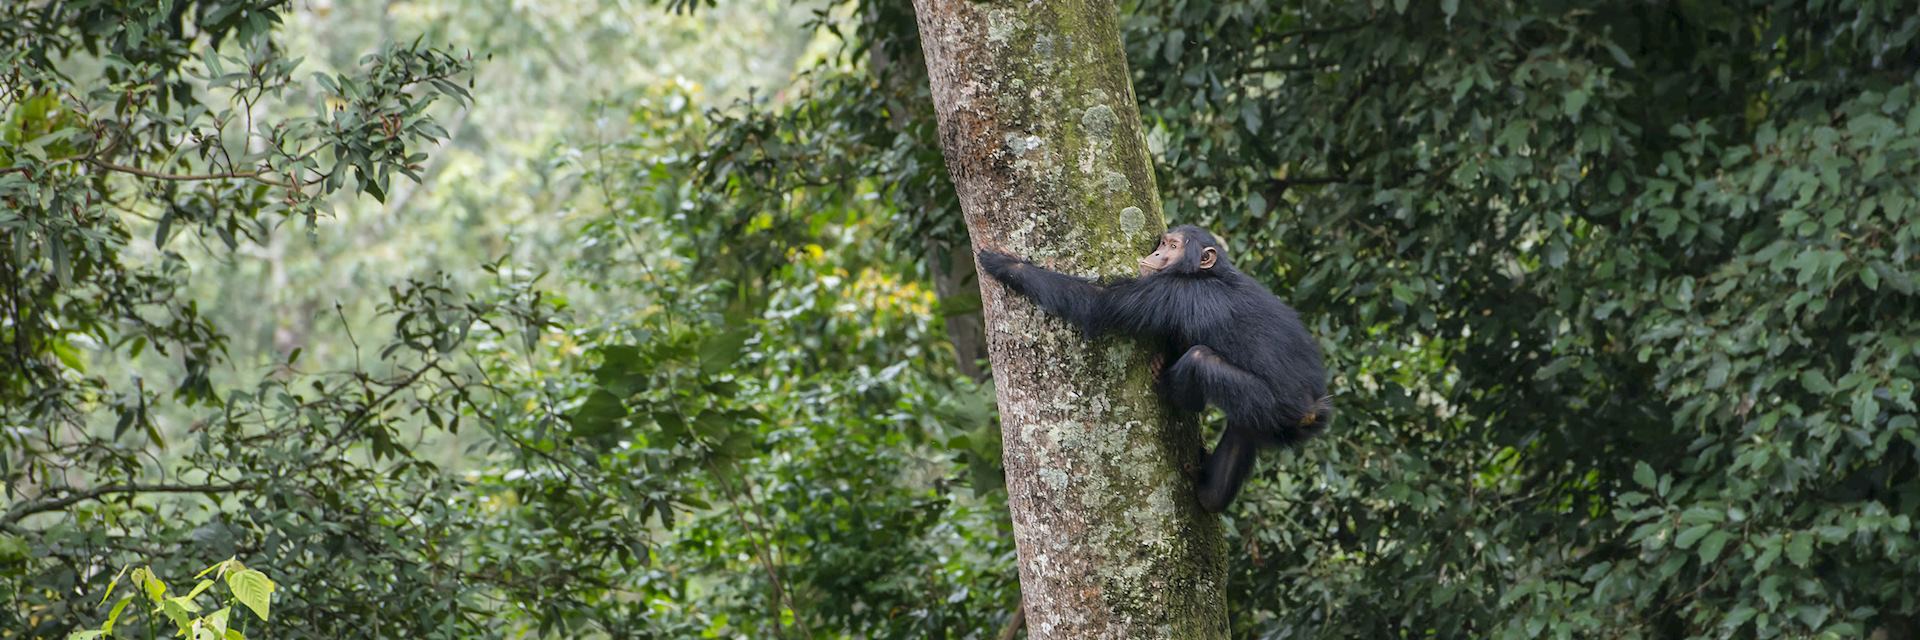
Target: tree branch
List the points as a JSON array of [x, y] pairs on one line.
[[41, 506], [1325, 31], [1014, 623], [1279, 186], [1287, 68], [183, 177]]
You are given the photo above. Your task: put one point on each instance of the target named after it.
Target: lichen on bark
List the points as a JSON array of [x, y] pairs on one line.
[[1044, 141]]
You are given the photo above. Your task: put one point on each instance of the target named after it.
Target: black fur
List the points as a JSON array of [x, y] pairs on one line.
[[1230, 342]]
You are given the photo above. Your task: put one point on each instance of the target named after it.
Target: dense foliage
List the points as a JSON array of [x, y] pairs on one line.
[[636, 445], [1621, 297], [1623, 294]]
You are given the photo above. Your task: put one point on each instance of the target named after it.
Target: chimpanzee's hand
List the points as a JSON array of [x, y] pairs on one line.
[[998, 264]]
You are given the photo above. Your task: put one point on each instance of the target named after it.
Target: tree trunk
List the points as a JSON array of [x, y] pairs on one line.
[[1043, 138], [953, 274], [900, 68]]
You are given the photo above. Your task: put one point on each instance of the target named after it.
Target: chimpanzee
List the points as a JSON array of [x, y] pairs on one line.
[[1237, 346]]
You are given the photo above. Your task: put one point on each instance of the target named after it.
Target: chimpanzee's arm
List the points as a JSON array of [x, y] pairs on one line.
[[1074, 299], [1160, 305]]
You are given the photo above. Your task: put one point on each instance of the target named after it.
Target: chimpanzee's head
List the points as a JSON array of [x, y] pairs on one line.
[[1185, 249]]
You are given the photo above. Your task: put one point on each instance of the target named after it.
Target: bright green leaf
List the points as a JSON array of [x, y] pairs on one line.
[[253, 589]]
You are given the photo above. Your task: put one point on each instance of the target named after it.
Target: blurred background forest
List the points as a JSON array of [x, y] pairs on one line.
[[608, 318]]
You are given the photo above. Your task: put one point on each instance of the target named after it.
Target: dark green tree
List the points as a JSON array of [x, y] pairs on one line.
[[663, 461], [1621, 297], [132, 129]]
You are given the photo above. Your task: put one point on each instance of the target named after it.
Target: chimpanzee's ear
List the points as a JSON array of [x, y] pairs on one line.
[[1207, 257]]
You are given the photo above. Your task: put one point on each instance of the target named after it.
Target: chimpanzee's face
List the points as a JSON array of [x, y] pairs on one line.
[[1168, 252], [1173, 252]]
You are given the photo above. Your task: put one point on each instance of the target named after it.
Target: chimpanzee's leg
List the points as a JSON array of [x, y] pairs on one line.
[[1202, 377], [1228, 467]]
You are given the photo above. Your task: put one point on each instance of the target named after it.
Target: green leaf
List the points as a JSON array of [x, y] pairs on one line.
[[178, 610], [113, 617], [164, 231], [111, 584], [1816, 382], [67, 354], [233, 560], [199, 589], [1700, 514], [1739, 616], [738, 445], [1768, 554], [372, 187], [1865, 407], [599, 415], [1691, 535], [252, 589], [151, 584], [218, 620], [153, 434], [1573, 102], [1717, 374], [720, 350], [1800, 550], [1619, 55], [672, 427], [623, 369], [1643, 474], [62, 263], [712, 425], [1711, 546]]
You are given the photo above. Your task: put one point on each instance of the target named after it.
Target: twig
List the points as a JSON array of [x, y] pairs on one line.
[[186, 177], [780, 593], [1323, 31], [1277, 187]]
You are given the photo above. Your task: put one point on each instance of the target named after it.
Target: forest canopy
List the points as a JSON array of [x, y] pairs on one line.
[[457, 318]]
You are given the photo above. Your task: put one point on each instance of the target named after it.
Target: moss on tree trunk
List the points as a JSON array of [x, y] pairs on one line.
[[1042, 135]]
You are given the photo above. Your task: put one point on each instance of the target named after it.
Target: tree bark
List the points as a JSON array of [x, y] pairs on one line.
[[1043, 138]]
